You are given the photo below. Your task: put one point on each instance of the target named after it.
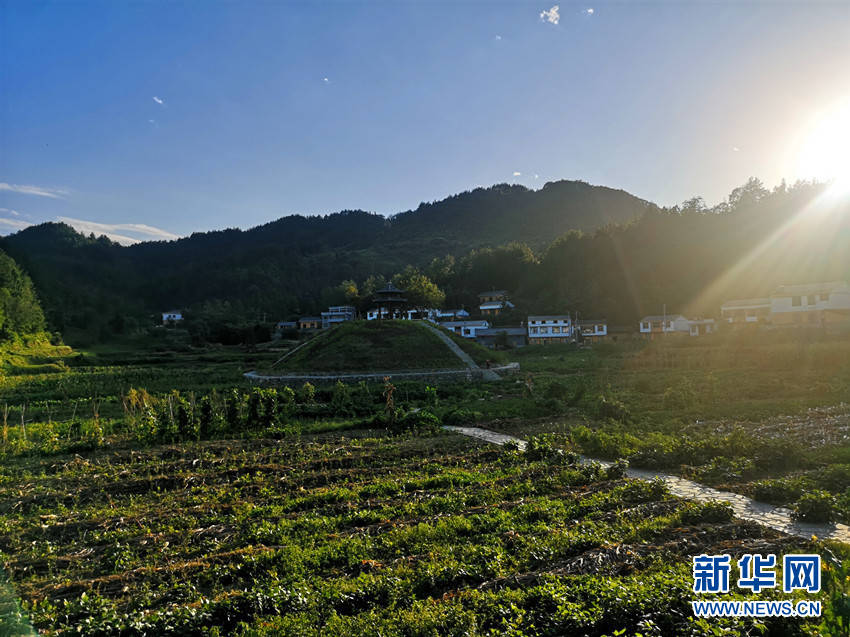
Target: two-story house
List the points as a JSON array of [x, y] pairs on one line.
[[546, 329]]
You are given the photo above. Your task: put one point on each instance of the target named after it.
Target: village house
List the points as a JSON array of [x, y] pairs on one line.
[[172, 316], [593, 329], [745, 311], [651, 326], [310, 323], [493, 302], [812, 304], [700, 327], [543, 330], [282, 326], [494, 337], [451, 315], [338, 314], [466, 329]]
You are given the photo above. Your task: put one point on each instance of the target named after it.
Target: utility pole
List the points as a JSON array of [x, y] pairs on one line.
[[664, 322]]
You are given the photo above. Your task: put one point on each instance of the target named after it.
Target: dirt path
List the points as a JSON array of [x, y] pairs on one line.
[[745, 508]]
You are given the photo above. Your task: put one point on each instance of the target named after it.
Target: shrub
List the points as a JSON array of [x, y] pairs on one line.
[[645, 491], [779, 491], [542, 447], [307, 393], [420, 421], [815, 506], [698, 513], [617, 470], [612, 408], [461, 417]]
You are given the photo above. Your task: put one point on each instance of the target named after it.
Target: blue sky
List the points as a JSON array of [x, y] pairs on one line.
[[155, 119]]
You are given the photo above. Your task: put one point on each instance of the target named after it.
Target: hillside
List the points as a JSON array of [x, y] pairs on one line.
[[290, 265], [373, 346]]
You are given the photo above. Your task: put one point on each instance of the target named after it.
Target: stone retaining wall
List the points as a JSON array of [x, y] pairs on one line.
[[432, 376]]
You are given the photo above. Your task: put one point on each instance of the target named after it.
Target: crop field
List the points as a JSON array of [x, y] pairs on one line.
[[157, 493], [357, 534]]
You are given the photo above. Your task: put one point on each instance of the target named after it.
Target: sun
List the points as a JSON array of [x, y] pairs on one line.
[[824, 149]]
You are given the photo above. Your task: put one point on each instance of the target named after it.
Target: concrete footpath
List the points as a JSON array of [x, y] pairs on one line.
[[745, 508]]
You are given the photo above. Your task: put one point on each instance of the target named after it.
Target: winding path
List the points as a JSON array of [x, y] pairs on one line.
[[778, 518]]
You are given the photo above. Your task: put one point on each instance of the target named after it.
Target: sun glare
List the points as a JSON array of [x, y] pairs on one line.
[[824, 150]]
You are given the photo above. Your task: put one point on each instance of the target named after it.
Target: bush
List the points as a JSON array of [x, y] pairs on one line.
[[815, 506], [617, 470], [542, 448], [612, 408], [699, 513], [461, 417], [781, 491], [419, 422], [645, 491]]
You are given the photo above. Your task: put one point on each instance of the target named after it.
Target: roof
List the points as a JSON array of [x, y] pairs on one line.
[[592, 321], [494, 293], [390, 289], [173, 312], [309, 318], [758, 302], [510, 331], [810, 288], [464, 323], [702, 321], [662, 317], [495, 305], [549, 317]]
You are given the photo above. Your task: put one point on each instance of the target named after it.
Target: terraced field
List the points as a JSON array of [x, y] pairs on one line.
[[359, 534]]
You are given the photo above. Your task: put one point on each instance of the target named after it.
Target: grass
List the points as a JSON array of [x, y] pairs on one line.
[[373, 346]]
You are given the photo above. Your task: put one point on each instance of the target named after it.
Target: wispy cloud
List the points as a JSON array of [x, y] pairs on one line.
[[517, 174], [53, 193], [498, 37], [13, 225], [159, 100], [123, 233], [589, 11], [9, 211], [325, 80], [552, 15]]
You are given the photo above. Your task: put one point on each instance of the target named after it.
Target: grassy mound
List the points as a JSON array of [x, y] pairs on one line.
[[362, 346]]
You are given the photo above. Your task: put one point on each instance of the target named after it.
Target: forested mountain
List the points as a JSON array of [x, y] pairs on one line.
[[632, 259], [20, 313], [291, 265]]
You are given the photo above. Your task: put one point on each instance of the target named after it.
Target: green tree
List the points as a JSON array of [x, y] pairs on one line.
[[20, 312]]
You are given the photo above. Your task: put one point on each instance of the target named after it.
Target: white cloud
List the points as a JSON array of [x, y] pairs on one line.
[[12, 225], [589, 11], [52, 193], [517, 174], [498, 37], [536, 176], [158, 100], [14, 213], [552, 16], [735, 149], [123, 233], [325, 80]]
